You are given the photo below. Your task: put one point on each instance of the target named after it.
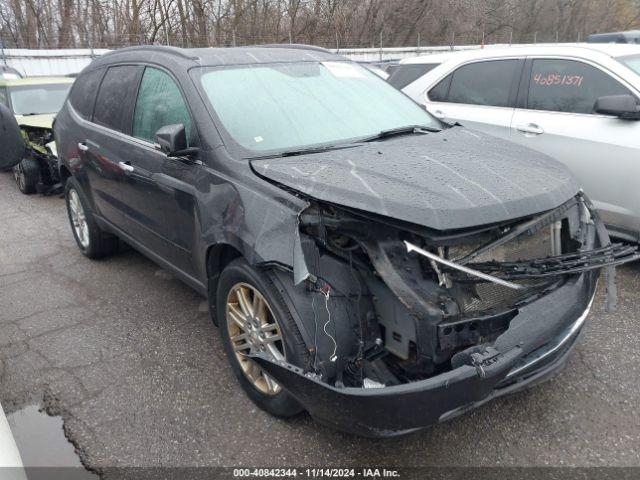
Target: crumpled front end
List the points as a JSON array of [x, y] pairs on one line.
[[408, 326], [41, 147]]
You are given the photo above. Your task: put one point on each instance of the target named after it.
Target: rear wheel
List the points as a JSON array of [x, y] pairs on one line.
[[253, 318], [27, 175], [90, 238]]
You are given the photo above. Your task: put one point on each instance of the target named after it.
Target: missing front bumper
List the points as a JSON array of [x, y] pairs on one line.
[[532, 349]]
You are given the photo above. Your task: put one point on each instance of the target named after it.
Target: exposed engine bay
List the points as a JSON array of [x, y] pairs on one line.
[[388, 303], [38, 138]]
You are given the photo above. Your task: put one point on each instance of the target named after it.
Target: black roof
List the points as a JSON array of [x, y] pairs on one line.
[[219, 56]]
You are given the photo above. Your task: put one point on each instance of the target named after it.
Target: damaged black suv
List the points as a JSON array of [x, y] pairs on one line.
[[364, 261]]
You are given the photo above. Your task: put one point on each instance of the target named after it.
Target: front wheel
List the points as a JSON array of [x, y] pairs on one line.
[[91, 239], [27, 175], [253, 318]]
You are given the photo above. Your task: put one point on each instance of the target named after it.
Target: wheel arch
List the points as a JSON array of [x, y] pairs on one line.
[[218, 257], [65, 173]]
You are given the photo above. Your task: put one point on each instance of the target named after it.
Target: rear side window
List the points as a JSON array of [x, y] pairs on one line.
[[483, 83], [403, 75], [3, 96], [569, 86], [83, 93], [116, 97], [159, 103]]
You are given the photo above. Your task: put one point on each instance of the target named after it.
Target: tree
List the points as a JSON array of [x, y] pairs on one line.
[[345, 23]]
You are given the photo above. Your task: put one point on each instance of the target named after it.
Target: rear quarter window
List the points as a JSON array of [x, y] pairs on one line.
[[116, 97], [83, 93]]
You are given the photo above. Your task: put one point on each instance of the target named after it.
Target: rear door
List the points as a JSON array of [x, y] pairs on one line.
[[100, 145], [479, 95], [555, 116]]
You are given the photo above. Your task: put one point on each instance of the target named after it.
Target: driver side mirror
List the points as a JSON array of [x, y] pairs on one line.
[[10, 139], [172, 140], [622, 106]]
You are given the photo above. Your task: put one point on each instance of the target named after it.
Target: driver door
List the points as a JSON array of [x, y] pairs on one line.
[[160, 211]]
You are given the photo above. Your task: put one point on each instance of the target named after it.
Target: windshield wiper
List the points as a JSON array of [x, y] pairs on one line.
[[409, 129], [303, 151], [394, 132]]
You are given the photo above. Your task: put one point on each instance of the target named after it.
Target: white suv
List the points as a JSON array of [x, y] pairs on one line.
[[577, 103]]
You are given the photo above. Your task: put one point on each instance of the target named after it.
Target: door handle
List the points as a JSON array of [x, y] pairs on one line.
[[531, 128], [126, 167], [83, 147]]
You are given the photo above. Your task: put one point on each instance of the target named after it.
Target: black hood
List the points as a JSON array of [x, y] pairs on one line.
[[453, 179]]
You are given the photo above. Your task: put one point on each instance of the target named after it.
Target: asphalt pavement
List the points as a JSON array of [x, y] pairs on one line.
[[129, 358]]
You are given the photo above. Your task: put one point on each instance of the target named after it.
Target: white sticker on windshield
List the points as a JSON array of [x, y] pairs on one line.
[[258, 139], [344, 70]]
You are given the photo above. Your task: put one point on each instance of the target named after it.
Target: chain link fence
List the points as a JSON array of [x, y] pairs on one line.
[[71, 56]]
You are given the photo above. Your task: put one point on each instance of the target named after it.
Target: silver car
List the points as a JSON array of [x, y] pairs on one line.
[[577, 103]]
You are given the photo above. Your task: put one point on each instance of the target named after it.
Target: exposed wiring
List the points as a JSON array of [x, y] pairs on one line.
[[327, 292]]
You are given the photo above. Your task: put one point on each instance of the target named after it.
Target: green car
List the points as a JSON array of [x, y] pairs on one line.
[[35, 102]]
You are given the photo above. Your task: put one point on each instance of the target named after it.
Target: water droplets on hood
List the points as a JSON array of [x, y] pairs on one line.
[[467, 181]]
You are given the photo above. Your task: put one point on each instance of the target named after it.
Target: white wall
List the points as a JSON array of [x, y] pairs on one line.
[[64, 62], [377, 54], [48, 62]]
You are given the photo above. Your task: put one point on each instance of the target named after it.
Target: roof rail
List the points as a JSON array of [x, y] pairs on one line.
[[295, 46], [154, 48]]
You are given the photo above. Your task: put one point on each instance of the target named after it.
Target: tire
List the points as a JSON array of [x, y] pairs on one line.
[[238, 274], [92, 241], [27, 175]]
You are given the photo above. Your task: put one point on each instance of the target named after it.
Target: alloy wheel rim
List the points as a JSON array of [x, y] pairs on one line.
[[78, 219], [252, 329]]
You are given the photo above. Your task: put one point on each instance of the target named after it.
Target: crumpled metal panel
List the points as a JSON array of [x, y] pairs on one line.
[[401, 408], [453, 179], [389, 411]]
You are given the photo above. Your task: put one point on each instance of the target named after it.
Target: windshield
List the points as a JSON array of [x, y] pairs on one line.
[[631, 61], [38, 99], [282, 107]]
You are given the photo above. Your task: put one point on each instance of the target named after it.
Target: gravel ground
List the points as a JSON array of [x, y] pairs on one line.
[[128, 356]]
